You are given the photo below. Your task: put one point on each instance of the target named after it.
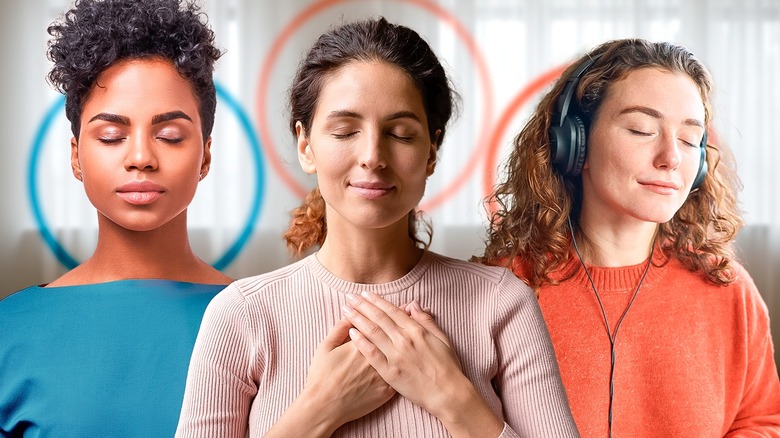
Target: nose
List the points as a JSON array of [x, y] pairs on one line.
[[140, 154], [371, 153], [669, 154]]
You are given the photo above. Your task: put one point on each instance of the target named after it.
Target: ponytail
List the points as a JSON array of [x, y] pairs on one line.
[[307, 224]]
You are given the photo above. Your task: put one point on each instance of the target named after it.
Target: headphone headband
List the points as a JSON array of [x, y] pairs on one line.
[[568, 95]]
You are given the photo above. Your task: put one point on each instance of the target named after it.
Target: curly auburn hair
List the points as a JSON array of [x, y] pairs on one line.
[[367, 40], [96, 34], [534, 201]]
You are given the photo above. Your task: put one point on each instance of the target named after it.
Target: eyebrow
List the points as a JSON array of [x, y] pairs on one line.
[[113, 118], [171, 115], [657, 115], [124, 120], [393, 116]]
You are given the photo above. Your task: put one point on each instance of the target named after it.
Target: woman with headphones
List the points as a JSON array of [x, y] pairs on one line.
[[621, 216]]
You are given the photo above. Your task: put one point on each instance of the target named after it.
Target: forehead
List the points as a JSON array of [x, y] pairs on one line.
[[369, 87], [675, 95], [153, 82]]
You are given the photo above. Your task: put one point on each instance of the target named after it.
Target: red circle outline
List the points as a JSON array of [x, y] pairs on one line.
[[443, 15], [494, 144]]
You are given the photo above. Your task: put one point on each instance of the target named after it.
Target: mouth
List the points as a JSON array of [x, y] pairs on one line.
[[660, 187], [371, 189], [140, 192]]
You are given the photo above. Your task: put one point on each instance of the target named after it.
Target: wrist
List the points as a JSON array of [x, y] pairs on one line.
[[465, 413], [306, 416]]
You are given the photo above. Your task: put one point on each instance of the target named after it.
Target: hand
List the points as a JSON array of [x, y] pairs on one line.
[[409, 351], [415, 357], [341, 386]]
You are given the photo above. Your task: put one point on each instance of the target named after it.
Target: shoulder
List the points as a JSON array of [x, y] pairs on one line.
[[746, 291], [253, 296], [21, 307], [257, 284], [20, 297], [472, 270], [503, 285]]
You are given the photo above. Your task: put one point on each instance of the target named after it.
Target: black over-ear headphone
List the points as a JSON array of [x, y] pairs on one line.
[[569, 130]]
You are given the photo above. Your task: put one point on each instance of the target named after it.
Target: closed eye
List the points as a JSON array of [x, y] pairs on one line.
[[642, 133], [344, 136], [405, 138], [110, 140], [171, 140]]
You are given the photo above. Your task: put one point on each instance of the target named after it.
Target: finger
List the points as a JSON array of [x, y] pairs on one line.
[[373, 355], [371, 322], [398, 315], [336, 337], [427, 322], [380, 311]]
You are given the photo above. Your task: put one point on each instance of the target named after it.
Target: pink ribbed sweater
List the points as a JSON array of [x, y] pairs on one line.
[[258, 337]]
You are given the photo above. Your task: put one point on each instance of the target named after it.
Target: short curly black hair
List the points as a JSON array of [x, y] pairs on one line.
[[95, 34]]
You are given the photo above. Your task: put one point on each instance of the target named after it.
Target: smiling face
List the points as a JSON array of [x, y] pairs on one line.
[[369, 146], [643, 148], [140, 152]]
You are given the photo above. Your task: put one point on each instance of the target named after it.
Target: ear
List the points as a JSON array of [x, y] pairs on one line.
[[74, 159], [305, 154], [206, 165], [431, 166]]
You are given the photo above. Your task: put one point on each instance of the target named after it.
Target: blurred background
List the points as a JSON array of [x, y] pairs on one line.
[[500, 54]]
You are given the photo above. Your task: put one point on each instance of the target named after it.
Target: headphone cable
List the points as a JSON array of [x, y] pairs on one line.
[[612, 337]]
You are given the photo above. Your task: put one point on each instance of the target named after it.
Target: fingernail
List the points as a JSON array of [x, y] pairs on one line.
[[417, 305], [365, 294], [346, 310], [353, 333], [352, 298]]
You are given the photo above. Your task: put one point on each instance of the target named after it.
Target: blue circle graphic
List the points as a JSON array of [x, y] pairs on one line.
[[233, 250]]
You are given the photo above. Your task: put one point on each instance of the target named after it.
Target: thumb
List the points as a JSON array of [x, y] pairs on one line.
[[336, 337]]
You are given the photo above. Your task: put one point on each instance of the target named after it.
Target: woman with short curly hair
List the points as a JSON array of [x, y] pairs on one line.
[[621, 215], [103, 350]]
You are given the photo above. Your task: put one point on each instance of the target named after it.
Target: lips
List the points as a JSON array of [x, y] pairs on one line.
[[660, 187], [371, 189], [140, 192]]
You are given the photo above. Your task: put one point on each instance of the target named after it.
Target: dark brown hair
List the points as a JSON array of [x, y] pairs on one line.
[[368, 40]]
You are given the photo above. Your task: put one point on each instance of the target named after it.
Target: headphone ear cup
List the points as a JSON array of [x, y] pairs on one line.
[[560, 146], [580, 141], [567, 146], [703, 167]]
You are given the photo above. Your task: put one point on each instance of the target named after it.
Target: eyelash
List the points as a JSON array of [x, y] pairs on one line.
[[402, 138], [351, 134], [171, 140], [112, 141], [647, 134]]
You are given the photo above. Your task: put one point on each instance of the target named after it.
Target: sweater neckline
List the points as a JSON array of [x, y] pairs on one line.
[[620, 279], [395, 286]]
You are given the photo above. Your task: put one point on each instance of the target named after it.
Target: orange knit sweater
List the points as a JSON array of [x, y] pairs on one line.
[[693, 359]]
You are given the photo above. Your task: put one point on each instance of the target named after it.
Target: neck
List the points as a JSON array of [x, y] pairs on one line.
[[162, 253], [615, 246], [369, 256]]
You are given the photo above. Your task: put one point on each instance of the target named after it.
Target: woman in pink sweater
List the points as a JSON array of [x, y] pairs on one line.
[[621, 215], [337, 343]]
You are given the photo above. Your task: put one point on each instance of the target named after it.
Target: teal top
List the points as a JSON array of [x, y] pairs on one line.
[[98, 360]]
